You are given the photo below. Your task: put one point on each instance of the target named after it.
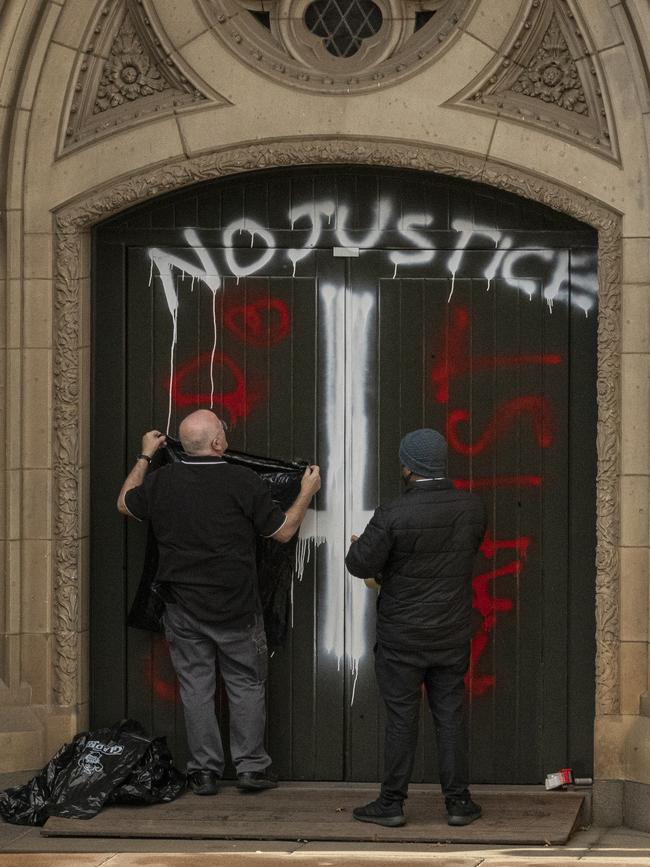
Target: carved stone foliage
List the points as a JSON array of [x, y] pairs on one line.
[[337, 46], [547, 75], [125, 73], [73, 223], [552, 75], [130, 73]]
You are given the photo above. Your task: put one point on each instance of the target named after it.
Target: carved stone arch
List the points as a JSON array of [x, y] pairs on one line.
[[73, 223]]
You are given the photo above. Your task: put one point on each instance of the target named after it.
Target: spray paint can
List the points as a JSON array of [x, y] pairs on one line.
[[563, 777]]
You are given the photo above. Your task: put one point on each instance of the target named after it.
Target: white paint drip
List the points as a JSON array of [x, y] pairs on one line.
[[315, 211], [359, 343], [165, 263], [467, 229], [453, 280], [492, 268], [332, 300], [559, 279], [524, 284], [304, 549], [172, 350], [255, 229], [407, 229], [214, 345]]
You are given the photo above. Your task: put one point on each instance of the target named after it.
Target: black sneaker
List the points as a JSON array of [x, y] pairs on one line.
[[204, 782], [380, 813], [462, 811], [255, 781]]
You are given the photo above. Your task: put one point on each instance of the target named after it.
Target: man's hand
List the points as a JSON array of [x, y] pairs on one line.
[[310, 482], [152, 441]]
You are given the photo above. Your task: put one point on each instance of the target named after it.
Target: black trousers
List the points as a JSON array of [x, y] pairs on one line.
[[400, 676]]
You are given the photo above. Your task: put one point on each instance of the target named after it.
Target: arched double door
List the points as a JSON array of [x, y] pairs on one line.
[[324, 312]]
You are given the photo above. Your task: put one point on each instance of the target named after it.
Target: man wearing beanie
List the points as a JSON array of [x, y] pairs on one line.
[[420, 548]]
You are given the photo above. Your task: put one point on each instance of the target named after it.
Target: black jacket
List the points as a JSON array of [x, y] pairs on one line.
[[421, 546]]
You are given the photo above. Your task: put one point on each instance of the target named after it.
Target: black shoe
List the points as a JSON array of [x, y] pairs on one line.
[[381, 813], [462, 811], [204, 782], [255, 781]]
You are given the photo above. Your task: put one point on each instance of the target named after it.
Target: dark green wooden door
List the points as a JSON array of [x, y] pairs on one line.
[[324, 313]]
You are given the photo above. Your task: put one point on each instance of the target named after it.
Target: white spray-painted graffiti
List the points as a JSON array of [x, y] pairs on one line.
[[346, 322]]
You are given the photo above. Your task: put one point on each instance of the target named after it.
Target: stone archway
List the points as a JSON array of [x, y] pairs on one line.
[[73, 224]]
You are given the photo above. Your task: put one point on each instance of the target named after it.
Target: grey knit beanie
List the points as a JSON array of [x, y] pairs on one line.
[[424, 452]]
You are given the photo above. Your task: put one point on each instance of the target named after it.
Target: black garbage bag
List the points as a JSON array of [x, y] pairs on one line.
[[27, 804], [154, 779], [275, 561], [118, 764]]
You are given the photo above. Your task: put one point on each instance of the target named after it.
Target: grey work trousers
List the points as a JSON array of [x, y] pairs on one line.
[[195, 648]]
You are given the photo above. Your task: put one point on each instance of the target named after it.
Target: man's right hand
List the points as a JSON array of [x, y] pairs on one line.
[[310, 482], [152, 441]]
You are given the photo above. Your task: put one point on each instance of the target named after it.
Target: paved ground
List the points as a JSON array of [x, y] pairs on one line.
[[24, 847]]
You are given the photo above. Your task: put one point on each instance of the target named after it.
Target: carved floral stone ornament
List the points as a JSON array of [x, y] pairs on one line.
[[125, 73], [552, 76], [337, 46], [548, 75], [129, 72]]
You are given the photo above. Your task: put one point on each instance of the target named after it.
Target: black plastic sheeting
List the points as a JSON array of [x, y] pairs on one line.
[[275, 560], [121, 764]]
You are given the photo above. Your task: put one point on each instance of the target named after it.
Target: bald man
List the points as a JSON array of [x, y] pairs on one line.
[[205, 514]]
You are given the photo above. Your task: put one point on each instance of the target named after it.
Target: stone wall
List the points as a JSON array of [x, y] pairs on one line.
[[103, 104]]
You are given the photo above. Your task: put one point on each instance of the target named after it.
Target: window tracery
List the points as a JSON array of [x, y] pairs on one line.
[[337, 46]]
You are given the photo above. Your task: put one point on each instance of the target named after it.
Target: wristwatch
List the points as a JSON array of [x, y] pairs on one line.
[[146, 457]]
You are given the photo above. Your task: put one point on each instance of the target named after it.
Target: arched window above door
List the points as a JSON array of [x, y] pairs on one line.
[[337, 46]]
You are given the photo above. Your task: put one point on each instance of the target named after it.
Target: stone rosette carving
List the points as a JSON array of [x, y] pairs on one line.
[[73, 223], [129, 73], [552, 75], [548, 75], [126, 71]]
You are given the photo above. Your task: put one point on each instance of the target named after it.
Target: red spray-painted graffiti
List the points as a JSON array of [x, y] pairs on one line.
[[478, 483], [263, 322], [488, 605], [259, 323], [454, 360], [247, 391], [534, 405]]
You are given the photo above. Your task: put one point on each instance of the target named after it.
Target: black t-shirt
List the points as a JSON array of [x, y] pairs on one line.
[[205, 514]]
